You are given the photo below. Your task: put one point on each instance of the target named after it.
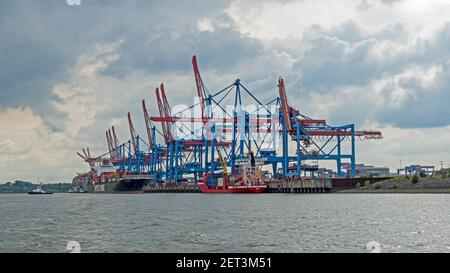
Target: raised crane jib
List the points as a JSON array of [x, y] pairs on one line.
[[132, 133], [200, 91], [284, 105], [148, 124], [167, 112], [161, 114]]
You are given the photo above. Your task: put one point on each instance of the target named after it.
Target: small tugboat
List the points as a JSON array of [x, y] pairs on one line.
[[39, 190]]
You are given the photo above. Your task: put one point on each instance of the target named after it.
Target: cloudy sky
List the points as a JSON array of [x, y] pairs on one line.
[[69, 72]]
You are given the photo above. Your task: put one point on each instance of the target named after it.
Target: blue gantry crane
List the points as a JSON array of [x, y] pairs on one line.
[[235, 123]]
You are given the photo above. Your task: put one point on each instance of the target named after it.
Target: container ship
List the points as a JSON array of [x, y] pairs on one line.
[[108, 179]]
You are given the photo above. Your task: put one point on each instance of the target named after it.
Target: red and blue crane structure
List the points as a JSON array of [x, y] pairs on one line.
[[190, 143]]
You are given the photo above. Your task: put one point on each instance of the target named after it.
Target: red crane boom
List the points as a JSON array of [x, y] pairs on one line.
[[167, 112], [113, 146], [132, 133], [148, 125], [290, 115], [284, 105], [198, 83], [161, 114], [108, 142], [116, 141]]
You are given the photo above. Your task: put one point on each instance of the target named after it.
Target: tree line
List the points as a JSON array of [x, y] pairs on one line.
[[25, 186]]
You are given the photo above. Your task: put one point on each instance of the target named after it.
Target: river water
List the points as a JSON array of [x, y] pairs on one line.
[[225, 222]]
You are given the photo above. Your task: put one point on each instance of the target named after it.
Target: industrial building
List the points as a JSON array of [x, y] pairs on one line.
[[362, 170], [417, 170]]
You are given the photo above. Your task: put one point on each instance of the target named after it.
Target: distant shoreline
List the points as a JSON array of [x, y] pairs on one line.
[[426, 185], [55, 192], [396, 191], [25, 187], [351, 191]]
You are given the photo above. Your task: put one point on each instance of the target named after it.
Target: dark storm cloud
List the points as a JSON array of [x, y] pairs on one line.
[[342, 57], [335, 59], [423, 106], [170, 49], [40, 39], [332, 62]]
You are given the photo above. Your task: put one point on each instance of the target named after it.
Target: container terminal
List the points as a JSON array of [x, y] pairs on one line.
[[221, 145]]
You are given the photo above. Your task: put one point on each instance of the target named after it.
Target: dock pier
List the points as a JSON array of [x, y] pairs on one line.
[[299, 186], [171, 187], [274, 186]]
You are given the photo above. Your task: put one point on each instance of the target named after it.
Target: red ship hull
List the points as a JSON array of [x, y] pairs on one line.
[[254, 188], [232, 189]]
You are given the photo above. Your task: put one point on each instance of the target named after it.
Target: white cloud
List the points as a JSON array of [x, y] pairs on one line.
[[411, 146], [81, 96], [28, 145], [290, 19], [205, 24]]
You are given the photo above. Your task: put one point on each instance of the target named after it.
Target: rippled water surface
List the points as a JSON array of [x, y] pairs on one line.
[[225, 223]]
